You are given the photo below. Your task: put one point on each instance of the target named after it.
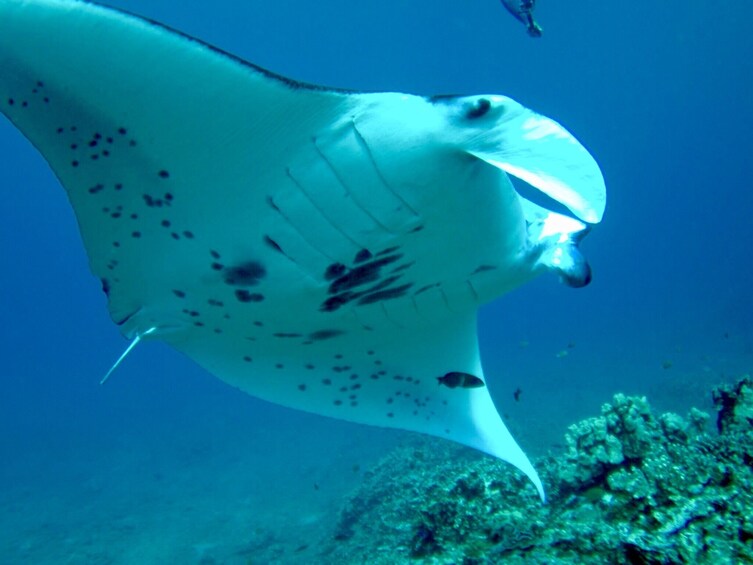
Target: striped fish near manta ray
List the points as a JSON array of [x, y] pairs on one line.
[[324, 249]]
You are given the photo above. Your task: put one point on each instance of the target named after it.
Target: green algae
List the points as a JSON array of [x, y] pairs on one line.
[[630, 487]]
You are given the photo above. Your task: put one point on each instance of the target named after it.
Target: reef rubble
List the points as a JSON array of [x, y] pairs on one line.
[[630, 486]]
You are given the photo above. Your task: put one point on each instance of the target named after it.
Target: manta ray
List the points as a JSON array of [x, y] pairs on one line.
[[323, 249]]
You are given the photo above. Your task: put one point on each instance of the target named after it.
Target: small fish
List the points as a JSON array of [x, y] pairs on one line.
[[666, 364], [456, 379], [562, 354], [523, 12], [516, 394]]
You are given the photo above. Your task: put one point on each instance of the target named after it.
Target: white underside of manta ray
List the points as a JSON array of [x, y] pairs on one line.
[[325, 250]]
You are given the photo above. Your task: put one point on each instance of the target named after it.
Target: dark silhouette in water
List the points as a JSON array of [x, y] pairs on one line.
[[523, 12]]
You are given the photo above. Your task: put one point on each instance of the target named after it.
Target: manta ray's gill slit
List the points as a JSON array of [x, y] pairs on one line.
[[381, 295], [309, 251], [388, 251], [472, 288], [349, 194], [426, 287], [367, 151], [403, 267], [307, 196], [272, 244]]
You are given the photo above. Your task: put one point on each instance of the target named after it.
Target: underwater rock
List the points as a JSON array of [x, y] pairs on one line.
[[631, 487], [735, 405]]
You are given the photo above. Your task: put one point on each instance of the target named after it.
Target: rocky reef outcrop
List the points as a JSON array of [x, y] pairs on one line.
[[630, 486]]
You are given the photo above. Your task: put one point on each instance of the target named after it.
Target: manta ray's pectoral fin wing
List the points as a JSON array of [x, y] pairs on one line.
[[159, 140], [377, 373]]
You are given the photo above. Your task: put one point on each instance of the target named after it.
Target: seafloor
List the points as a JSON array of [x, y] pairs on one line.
[[627, 486]]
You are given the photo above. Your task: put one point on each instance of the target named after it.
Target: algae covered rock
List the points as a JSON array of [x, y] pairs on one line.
[[623, 433], [630, 487], [735, 405]]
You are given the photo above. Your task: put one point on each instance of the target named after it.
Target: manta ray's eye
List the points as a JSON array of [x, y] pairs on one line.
[[478, 108]]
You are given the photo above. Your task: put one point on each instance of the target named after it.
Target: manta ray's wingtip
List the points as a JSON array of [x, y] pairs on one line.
[[518, 459], [489, 434], [526, 467], [533, 476]]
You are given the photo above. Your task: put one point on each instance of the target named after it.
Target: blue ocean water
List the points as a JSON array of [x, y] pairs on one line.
[[166, 463]]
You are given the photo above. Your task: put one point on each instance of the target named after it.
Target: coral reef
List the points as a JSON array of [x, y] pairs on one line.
[[630, 487]]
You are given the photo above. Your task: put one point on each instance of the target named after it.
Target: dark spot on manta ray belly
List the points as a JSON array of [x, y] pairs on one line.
[[366, 273], [334, 271], [332, 304], [325, 334], [246, 296], [483, 268], [363, 255], [245, 274], [348, 284]]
